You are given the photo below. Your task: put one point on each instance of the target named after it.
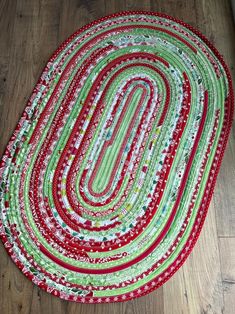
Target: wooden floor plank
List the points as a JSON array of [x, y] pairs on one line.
[[34, 38], [7, 10], [192, 289], [15, 289], [222, 36], [197, 286], [227, 252]]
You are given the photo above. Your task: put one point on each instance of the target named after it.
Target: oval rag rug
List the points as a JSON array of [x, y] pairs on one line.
[[106, 181]]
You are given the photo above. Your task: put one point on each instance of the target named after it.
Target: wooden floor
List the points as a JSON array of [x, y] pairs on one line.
[[29, 32]]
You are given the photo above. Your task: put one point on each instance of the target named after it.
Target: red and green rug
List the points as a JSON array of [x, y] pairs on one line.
[[106, 181]]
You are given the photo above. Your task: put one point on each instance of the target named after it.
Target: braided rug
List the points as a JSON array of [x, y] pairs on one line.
[[107, 178]]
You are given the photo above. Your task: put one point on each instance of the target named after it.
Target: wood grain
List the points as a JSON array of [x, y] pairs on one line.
[[227, 252], [199, 285], [30, 31]]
